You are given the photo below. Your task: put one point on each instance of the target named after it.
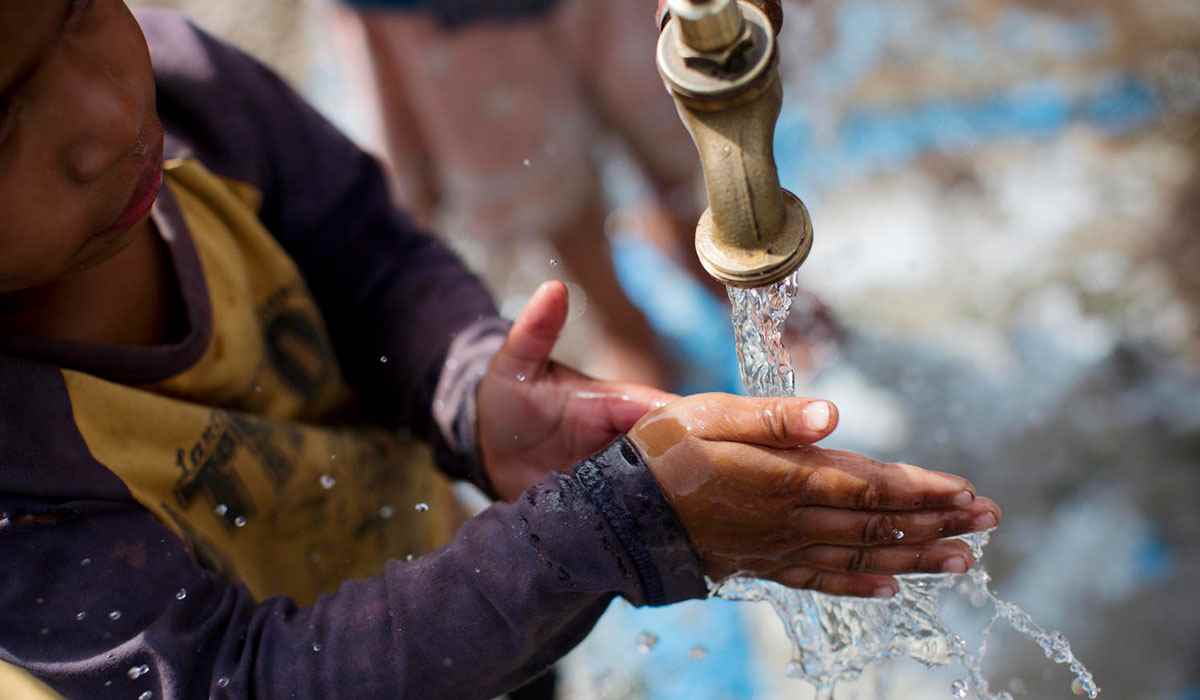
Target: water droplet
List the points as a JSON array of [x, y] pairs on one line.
[[136, 672], [383, 359], [1077, 687], [447, 662], [327, 481], [221, 510], [553, 262], [44, 631], [897, 535], [978, 599], [87, 561], [40, 600], [107, 683], [477, 571], [698, 652], [521, 376], [80, 615], [146, 695], [222, 682], [316, 646], [181, 594], [959, 689], [386, 512], [646, 641], [258, 388], [527, 162], [408, 557], [114, 615], [5, 521], [421, 507], [240, 521]]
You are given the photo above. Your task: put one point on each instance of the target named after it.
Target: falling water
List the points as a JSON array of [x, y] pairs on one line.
[[835, 638]]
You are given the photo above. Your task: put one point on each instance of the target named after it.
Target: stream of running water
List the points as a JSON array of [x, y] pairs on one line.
[[836, 638]]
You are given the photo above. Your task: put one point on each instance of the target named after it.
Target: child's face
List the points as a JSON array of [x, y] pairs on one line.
[[80, 141]]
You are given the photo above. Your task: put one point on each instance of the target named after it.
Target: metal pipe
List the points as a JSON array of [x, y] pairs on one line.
[[720, 64]]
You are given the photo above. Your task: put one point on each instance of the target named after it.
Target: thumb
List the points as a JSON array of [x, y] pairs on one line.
[[535, 332], [769, 422]]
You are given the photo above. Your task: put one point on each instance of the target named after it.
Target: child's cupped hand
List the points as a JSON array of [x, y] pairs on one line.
[[757, 498], [537, 416], [742, 474]]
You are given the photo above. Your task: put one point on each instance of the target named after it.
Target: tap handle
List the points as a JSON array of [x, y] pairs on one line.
[[772, 8]]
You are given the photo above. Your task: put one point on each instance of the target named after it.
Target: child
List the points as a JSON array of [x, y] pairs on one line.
[[216, 385]]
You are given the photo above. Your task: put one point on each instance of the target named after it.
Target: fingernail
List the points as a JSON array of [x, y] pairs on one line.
[[963, 499], [986, 521], [955, 565], [816, 416], [885, 592]]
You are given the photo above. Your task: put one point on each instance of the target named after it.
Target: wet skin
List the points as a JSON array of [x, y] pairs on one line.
[[756, 497], [753, 493], [80, 164], [537, 416]]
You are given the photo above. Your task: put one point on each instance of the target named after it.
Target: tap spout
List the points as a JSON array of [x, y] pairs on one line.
[[719, 61]]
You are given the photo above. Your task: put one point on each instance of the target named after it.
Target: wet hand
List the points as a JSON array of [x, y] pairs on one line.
[[757, 498], [537, 416]]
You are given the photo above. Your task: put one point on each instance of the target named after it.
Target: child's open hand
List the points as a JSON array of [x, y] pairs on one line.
[[536, 415], [756, 497]]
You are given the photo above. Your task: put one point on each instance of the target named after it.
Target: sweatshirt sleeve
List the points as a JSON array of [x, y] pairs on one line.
[[520, 585], [394, 298]]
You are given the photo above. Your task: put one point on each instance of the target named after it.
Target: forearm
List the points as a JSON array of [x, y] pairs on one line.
[[518, 587]]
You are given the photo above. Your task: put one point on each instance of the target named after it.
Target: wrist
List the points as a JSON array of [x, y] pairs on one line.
[[619, 484], [456, 400]]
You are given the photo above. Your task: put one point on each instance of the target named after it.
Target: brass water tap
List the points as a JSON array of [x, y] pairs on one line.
[[720, 62]]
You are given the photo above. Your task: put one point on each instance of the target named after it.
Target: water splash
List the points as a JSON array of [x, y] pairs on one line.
[[646, 641], [835, 638]]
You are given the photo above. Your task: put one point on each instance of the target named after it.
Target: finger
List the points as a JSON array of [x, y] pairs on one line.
[[771, 422], [535, 332], [837, 583], [941, 557], [838, 526], [838, 479], [853, 481], [813, 476], [624, 404]]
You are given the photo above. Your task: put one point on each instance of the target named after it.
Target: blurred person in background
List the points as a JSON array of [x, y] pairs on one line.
[[491, 117], [491, 113]]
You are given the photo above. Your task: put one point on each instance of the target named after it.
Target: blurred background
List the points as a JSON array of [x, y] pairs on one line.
[[1006, 197]]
